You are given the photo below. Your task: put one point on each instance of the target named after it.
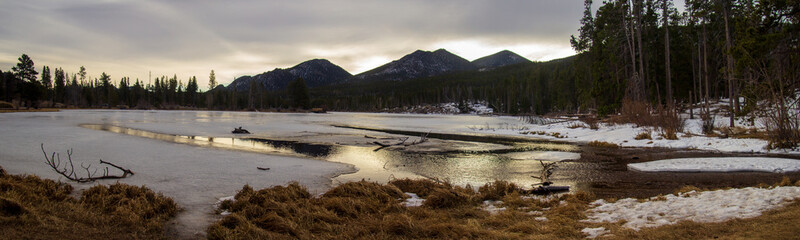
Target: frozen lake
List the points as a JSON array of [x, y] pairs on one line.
[[193, 157], [196, 170]]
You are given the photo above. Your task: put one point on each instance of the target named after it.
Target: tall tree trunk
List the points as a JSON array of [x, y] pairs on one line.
[[638, 13], [705, 66], [666, 57], [729, 65]]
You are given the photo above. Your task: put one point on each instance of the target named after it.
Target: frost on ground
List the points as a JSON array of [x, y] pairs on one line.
[[703, 207], [594, 232], [726, 164]]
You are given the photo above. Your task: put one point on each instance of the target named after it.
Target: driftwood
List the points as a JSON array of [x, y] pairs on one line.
[[68, 170], [547, 170], [381, 138], [403, 142], [240, 130]]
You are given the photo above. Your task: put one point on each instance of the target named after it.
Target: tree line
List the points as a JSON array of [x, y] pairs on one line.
[[630, 52], [24, 86]]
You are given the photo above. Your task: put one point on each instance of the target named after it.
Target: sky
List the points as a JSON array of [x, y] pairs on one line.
[[143, 38]]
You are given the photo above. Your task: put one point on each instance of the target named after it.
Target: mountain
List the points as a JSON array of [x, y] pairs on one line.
[[418, 64], [499, 59], [316, 73]]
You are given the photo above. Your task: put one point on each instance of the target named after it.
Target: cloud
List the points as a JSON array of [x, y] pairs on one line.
[[136, 37]]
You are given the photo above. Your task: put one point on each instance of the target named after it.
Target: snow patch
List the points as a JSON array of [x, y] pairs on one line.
[[490, 207], [726, 164], [703, 207], [594, 232], [413, 200]]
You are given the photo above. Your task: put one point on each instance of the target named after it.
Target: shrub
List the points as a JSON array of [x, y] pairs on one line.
[[644, 135]]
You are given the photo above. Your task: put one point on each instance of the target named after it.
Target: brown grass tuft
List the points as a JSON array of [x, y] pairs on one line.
[[421, 187], [603, 144], [364, 210], [644, 135], [31, 207], [497, 190]]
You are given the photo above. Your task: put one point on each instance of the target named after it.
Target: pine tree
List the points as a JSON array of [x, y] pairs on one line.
[[47, 82], [298, 91], [59, 88], [24, 69], [212, 80]]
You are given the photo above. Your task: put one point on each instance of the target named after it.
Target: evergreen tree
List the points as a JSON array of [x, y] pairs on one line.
[[47, 82], [212, 80], [59, 87], [298, 92], [24, 69]]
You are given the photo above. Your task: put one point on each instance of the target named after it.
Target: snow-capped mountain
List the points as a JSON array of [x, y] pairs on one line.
[[418, 64], [499, 59], [317, 72]]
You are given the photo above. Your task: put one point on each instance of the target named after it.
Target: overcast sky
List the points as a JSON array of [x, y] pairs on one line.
[[234, 38]]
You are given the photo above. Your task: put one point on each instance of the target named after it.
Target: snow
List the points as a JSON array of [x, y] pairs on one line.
[[594, 232], [703, 207], [624, 135], [491, 207], [540, 219], [413, 200], [726, 164]]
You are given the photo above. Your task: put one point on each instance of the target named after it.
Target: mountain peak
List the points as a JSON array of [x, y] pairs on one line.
[[419, 64], [316, 72], [499, 59]]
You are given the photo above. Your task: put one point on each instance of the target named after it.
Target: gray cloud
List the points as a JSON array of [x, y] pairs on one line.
[[134, 37]]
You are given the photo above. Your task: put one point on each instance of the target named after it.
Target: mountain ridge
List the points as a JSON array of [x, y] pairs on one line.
[[315, 72], [418, 64]]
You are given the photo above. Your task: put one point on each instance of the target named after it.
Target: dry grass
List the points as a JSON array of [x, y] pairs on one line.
[[603, 144], [363, 210], [644, 135], [35, 208], [667, 122], [29, 110]]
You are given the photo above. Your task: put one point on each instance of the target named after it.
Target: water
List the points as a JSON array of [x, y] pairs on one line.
[[466, 167]]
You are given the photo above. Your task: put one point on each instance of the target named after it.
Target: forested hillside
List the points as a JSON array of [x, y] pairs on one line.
[[643, 52]]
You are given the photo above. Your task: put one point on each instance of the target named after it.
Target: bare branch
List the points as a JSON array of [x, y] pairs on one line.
[[68, 170]]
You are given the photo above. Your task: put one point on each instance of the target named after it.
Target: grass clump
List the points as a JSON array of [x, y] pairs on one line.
[[35, 208], [603, 144], [365, 210], [644, 135]]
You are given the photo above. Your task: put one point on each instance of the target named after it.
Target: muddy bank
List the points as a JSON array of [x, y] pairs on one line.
[[604, 172]]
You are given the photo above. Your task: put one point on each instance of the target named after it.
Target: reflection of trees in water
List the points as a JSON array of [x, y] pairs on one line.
[[315, 150]]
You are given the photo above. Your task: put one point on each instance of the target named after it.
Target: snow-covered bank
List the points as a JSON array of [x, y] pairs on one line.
[[709, 206], [727, 164]]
